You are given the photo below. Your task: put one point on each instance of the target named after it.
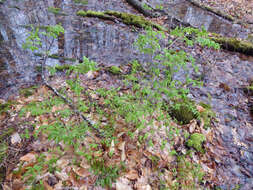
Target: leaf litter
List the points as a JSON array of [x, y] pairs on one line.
[[145, 166]]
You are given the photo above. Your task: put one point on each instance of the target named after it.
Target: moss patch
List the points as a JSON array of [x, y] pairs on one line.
[[184, 112], [207, 114], [26, 92], [62, 67], [135, 20], [196, 140], [55, 10], [234, 44], [97, 14], [129, 19], [83, 2], [114, 70]]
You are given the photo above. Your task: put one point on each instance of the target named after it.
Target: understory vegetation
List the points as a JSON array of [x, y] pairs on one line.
[[91, 122]]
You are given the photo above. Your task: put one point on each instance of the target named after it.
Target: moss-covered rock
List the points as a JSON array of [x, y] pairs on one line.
[[129, 19], [196, 141], [114, 70]]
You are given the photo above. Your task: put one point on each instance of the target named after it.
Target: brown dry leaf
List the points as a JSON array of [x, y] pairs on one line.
[[63, 176], [84, 187], [90, 74], [62, 163], [200, 108], [84, 164], [30, 157], [123, 184], [192, 126], [132, 175], [56, 108], [144, 187], [81, 171], [142, 184], [123, 152], [47, 186], [72, 177]]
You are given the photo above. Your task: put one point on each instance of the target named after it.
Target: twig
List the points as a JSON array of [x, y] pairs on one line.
[[66, 99], [174, 41]]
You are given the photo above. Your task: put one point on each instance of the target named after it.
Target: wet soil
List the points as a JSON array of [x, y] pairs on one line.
[[225, 74]]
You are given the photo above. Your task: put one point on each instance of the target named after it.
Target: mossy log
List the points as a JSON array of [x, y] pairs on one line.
[[129, 19], [234, 44], [97, 14], [139, 7]]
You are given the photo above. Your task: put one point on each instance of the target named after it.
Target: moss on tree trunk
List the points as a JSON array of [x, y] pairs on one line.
[[129, 19]]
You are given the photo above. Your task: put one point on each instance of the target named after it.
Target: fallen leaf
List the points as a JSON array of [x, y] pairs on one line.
[[62, 175], [200, 108], [29, 157], [123, 184], [123, 152], [81, 171], [132, 175]]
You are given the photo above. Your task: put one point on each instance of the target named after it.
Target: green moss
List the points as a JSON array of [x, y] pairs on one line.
[[135, 20], [250, 38], [56, 11], [97, 14], [114, 70], [6, 106], [129, 19], [207, 114], [234, 44], [184, 112], [196, 140], [26, 92], [62, 67], [83, 2]]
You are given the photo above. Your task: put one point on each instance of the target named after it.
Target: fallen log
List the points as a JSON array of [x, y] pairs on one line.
[[233, 44], [127, 18], [139, 7]]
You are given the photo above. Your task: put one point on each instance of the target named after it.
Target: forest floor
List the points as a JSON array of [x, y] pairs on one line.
[[239, 9], [39, 141]]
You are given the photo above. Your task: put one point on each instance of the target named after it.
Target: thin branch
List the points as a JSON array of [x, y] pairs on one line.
[[66, 99]]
